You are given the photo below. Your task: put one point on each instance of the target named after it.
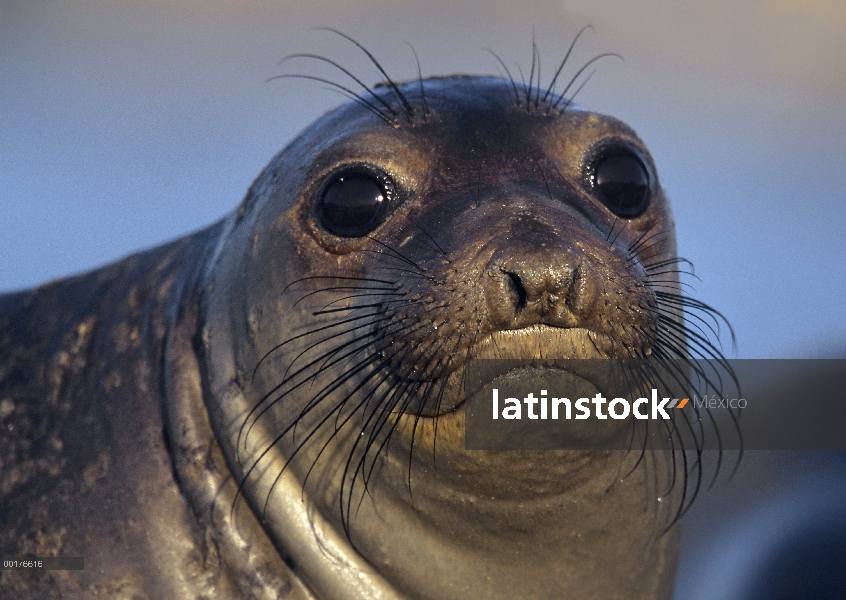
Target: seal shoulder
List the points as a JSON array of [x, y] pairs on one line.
[[84, 449]]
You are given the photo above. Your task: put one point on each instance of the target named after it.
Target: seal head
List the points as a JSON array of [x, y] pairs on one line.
[[370, 262]]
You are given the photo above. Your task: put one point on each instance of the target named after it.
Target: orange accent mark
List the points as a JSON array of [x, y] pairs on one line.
[[682, 403]]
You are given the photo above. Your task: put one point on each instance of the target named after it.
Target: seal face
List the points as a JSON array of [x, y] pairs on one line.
[[290, 379]]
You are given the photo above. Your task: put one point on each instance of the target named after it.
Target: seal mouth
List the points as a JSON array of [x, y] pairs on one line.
[[543, 342], [537, 345]]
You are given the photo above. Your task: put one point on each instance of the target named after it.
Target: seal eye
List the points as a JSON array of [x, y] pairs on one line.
[[354, 202], [622, 184]]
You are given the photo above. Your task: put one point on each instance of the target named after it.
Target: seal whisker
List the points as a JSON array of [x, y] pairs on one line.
[[369, 295], [397, 254], [338, 406], [641, 377], [360, 407], [673, 430], [388, 259], [389, 402], [531, 83], [402, 271], [551, 88], [367, 324], [408, 328], [717, 387], [335, 277], [428, 387], [347, 373], [669, 287], [650, 245], [424, 399], [700, 342], [647, 266], [685, 302], [648, 375], [687, 315], [286, 378], [340, 309], [510, 78], [699, 440], [285, 431], [399, 401], [674, 468], [345, 72], [653, 273], [409, 110], [306, 334], [686, 340], [400, 407], [592, 339], [690, 320], [525, 89], [572, 98], [435, 247], [438, 406], [647, 252], [545, 182], [643, 240], [579, 72], [622, 229], [339, 288], [346, 91], [668, 347], [420, 82]]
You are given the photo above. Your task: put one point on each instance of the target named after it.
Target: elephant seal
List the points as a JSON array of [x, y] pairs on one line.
[[268, 408]]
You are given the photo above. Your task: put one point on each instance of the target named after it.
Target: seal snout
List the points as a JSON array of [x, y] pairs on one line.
[[529, 285]]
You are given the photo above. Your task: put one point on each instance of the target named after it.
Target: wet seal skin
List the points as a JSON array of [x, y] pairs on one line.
[[271, 407]]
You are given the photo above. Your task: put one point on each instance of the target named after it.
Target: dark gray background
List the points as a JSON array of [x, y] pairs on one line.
[[125, 124]]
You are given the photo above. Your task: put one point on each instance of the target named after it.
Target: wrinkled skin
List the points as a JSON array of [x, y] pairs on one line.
[[142, 394]]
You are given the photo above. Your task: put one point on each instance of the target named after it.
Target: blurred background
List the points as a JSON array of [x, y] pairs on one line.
[[124, 124]]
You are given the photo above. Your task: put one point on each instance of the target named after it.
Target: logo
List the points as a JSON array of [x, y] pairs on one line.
[[552, 408]]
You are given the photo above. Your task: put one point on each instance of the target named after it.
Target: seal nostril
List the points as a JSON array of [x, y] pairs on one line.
[[517, 285]]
